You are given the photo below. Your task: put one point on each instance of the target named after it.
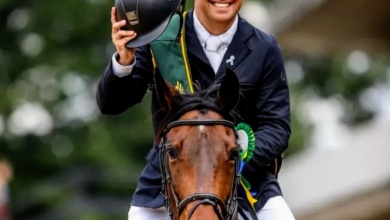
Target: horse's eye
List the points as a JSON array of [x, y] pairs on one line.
[[233, 154], [172, 152]]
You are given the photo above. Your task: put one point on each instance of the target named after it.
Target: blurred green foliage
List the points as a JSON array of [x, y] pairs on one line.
[[85, 166], [52, 54]]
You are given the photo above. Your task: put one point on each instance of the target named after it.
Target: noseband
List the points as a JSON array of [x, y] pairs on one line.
[[224, 210]]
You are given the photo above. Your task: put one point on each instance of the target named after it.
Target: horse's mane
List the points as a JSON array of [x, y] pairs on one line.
[[202, 99]]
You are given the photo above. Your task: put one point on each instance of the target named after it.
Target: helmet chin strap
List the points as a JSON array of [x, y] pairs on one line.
[[180, 12]]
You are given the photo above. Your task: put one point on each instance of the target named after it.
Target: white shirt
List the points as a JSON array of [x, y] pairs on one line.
[[214, 46]]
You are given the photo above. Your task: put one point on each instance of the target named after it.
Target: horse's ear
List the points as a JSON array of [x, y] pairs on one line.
[[229, 91], [166, 93]]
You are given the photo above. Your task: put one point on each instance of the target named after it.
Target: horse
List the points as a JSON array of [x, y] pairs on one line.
[[199, 150]]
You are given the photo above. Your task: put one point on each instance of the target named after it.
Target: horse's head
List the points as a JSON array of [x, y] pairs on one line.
[[199, 150]]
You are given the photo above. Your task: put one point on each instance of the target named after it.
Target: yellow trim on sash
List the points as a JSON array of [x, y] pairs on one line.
[[248, 194], [184, 53], [153, 60]]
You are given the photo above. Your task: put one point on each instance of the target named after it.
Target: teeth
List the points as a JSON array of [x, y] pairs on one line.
[[221, 5]]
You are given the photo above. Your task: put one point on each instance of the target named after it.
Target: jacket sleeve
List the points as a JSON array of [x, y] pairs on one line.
[[115, 95], [272, 127]]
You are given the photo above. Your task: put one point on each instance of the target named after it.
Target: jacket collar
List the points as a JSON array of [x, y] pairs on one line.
[[203, 34], [238, 49]]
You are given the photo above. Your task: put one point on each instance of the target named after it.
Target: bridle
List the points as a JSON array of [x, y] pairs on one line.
[[225, 210]]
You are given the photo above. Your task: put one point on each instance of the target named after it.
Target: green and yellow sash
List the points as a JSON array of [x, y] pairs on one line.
[[170, 57]]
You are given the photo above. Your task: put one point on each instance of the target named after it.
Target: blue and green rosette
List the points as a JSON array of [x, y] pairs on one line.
[[246, 140]]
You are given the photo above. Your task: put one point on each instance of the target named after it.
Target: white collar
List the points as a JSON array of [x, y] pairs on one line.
[[203, 34]]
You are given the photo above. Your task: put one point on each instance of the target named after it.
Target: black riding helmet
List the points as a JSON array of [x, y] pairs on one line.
[[148, 18]]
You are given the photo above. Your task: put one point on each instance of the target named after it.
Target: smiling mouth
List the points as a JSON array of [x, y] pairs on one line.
[[220, 5]]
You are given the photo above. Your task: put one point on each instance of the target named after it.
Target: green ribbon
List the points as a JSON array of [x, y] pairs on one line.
[[245, 129]]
